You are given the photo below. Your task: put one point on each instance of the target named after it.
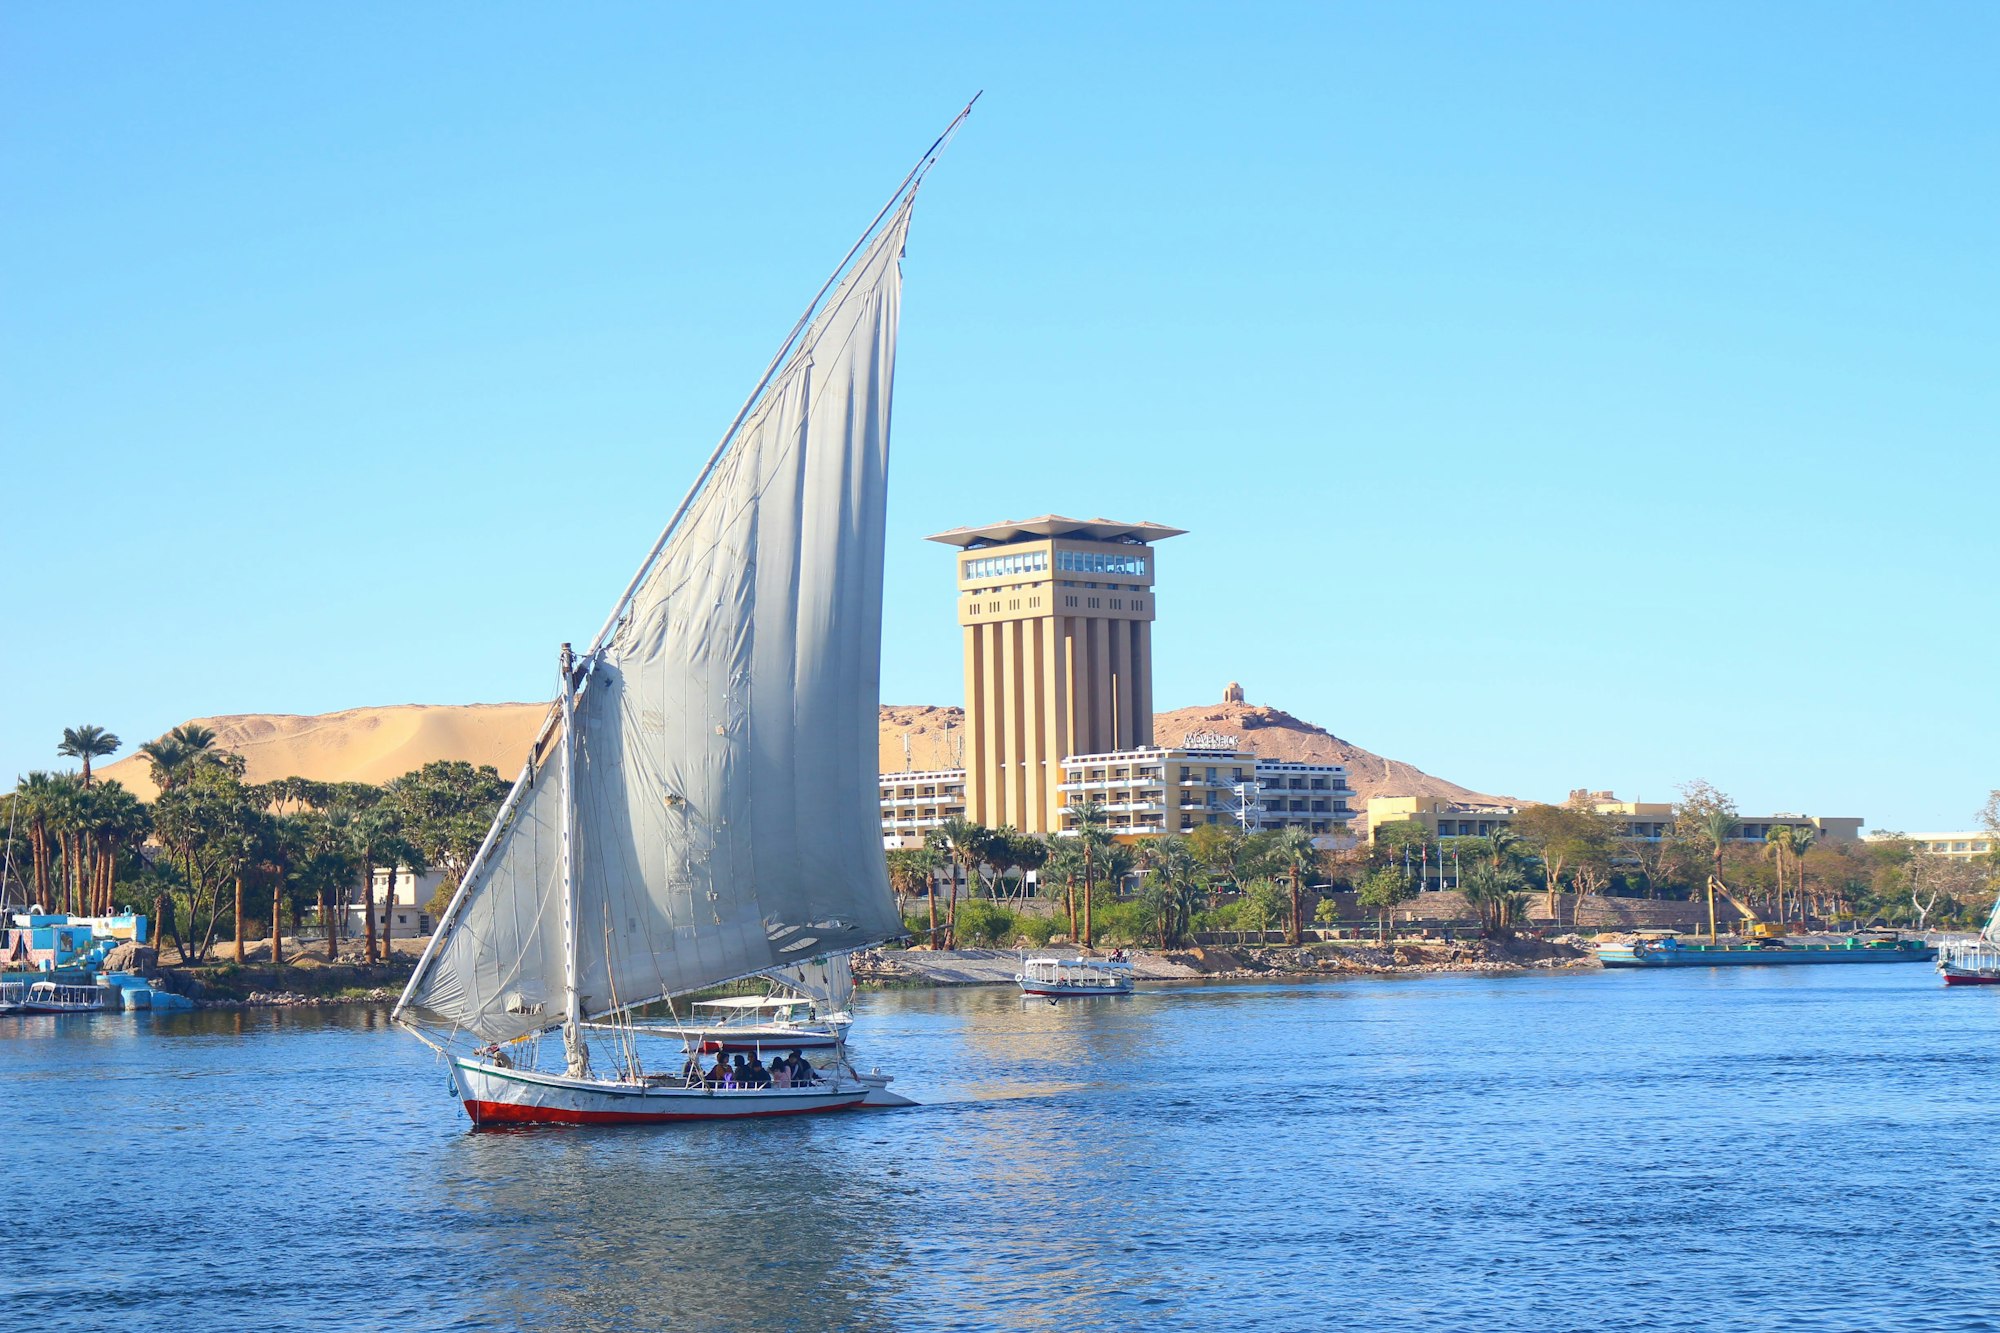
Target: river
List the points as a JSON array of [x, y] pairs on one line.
[[1809, 1148]]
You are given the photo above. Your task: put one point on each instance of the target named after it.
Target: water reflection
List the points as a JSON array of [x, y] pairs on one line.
[[1428, 1155]]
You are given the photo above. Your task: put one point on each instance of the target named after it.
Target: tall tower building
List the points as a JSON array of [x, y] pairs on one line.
[[1057, 615]]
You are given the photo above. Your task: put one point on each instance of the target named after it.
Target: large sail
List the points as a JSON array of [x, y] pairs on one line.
[[725, 816]]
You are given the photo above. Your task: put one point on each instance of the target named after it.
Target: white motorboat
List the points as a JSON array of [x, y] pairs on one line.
[[760, 1023], [56, 997], [700, 806], [12, 993], [1058, 977]]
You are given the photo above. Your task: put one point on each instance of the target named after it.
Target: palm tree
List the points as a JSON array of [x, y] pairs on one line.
[[1297, 854], [1497, 894], [37, 799], [119, 820], [1778, 846], [1802, 841], [378, 841], [1174, 883], [1717, 828], [964, 841], [65, 818], [1065, 863], [1094, 835], [87, 743]]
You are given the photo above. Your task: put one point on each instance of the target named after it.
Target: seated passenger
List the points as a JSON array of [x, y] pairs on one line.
[[781, 1074], [718, 1077], [803, 1074], [757, 1075]]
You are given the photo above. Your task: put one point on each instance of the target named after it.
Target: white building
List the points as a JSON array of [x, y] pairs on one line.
[[1961, 845], [405, 911], [915, 803]]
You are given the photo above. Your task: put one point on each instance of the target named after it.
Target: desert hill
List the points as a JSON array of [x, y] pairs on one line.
[[377, 744]]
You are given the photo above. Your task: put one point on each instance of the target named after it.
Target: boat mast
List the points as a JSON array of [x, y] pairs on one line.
[[573, 1047]]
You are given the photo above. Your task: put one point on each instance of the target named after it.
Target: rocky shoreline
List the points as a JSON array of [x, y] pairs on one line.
[[986, 967]]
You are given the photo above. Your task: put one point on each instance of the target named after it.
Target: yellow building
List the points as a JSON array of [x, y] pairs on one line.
[[1057, 618], [1644, 820]]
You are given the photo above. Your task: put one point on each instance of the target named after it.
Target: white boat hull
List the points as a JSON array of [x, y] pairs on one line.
[[497, 1096], [1060, 989]]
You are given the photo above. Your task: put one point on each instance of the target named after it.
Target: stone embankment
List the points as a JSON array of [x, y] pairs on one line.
[[983, 967]]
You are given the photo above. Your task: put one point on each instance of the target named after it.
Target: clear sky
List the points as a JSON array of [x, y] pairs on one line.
[[1556, 395]]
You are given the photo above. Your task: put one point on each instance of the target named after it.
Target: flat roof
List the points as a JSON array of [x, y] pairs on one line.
[[1055, 525]]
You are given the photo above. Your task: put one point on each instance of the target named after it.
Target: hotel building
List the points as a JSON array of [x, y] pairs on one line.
[[1960, 846], [1644, 820], [1056, 616], [1057, 620]]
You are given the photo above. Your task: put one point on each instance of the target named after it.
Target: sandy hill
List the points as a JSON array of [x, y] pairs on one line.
[[377, 744], [362, 744], [1276, 734]]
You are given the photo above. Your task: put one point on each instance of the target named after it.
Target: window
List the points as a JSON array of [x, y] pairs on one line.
[[1092, 601], [1117, 604], [1069, 601]]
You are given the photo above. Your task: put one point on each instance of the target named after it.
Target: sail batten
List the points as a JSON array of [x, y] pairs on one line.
[[715, 806]]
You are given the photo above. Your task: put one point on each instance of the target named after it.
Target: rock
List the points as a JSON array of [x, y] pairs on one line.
[[134, 958]]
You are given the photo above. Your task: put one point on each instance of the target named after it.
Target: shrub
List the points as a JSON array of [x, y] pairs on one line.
[[983, 923], [1037, 929]]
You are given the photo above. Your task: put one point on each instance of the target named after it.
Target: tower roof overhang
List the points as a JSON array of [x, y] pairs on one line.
[[1055, 525]]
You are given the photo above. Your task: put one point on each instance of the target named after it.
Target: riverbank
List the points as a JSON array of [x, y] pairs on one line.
[[987, 967], [309, 982]]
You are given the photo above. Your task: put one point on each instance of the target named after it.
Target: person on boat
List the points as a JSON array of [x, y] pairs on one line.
[[803, 1074], [692, 1072], [757, 1076], [718, 1076], [781, 1073]]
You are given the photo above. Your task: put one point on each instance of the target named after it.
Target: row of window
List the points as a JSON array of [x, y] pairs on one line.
[[1021, 562], [1102, 562]]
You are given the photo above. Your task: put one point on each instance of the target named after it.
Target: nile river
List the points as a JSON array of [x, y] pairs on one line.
[[1812, 1148]]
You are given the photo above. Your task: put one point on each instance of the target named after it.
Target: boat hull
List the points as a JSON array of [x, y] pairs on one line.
[[1623, 956], [1952, 978], [1057, 990], [495, 1096]]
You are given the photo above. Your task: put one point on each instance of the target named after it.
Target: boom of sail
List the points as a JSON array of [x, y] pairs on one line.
[[703, 805]]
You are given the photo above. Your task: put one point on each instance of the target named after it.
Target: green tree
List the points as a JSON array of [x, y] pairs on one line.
[[1385, 887], [964, 843], [1261, 906], [1497, 895], [87, 743], [379, 843], [1295, 853], [1173, 886]]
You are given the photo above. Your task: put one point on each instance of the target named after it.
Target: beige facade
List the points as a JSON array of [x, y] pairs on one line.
[[914, 803], [1152, 790], [1056, 616], [1646, 820], [1962, 845]]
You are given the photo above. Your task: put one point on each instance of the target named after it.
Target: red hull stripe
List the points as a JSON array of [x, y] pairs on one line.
[[1960, 979], [510, 1113]]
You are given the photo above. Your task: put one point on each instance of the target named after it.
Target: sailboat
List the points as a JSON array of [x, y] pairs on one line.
[[1973, 962], [701, 804]]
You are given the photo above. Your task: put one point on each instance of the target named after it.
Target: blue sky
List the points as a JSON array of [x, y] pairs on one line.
[[1556, 395]]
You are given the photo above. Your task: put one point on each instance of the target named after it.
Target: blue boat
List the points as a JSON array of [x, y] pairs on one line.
[[1669, 951]]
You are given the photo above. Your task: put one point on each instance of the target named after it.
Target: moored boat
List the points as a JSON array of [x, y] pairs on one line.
[[1055, 978], [12, 993], [1671, 951], [701, 805], [56, 997], [1973, 962]]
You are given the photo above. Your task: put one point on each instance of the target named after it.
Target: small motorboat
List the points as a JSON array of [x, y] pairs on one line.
[[761, 1023], [56, 997], [1057, 977], [12, 993]]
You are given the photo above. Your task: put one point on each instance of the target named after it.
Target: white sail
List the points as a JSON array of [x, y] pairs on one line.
[[724, 805], [827, 982]]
